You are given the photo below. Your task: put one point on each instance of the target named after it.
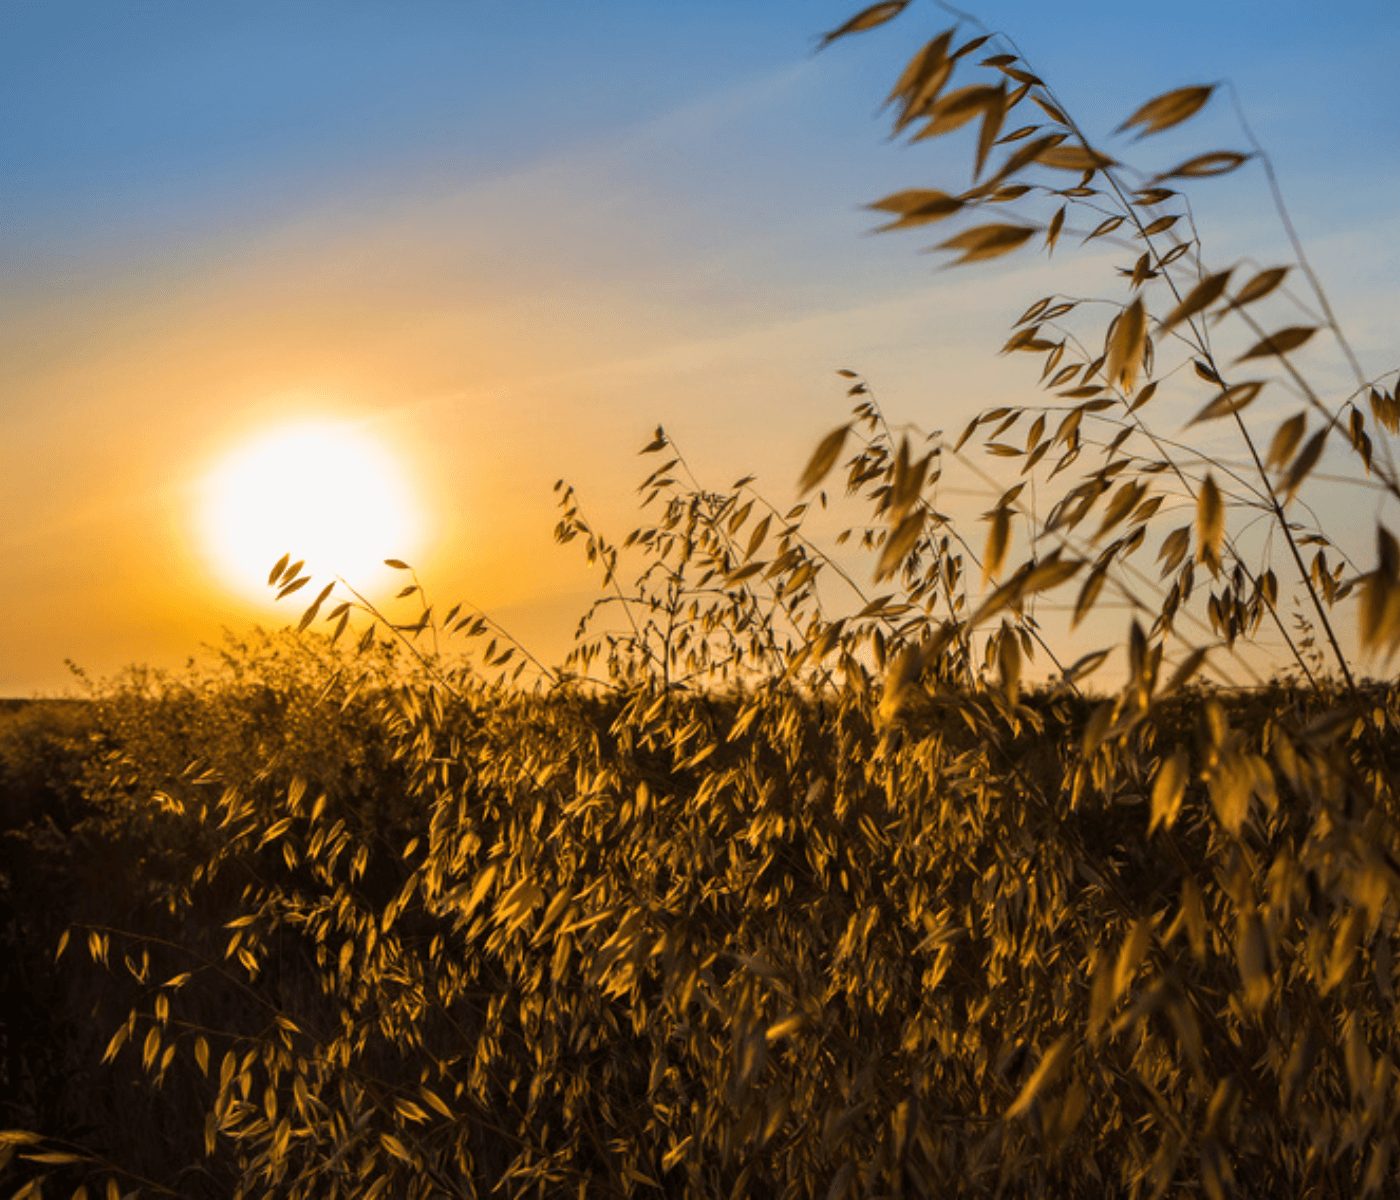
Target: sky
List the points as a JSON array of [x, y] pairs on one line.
[[504, 241]]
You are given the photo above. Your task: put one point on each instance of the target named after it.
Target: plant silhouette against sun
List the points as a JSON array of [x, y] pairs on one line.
[[785, 881]]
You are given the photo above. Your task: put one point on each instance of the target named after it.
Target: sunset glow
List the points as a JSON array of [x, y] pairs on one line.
[[750, 599], [320, 491], [222, 221]]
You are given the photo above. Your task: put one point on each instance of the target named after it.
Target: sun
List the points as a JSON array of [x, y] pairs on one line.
[[320, 491]]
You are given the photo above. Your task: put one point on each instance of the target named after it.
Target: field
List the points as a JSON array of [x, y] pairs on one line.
[[784, 883]]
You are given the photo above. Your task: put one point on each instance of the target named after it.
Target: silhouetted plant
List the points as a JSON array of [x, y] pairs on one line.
[[786, 883]]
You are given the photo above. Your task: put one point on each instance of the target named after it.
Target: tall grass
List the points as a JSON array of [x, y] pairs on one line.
[[786, 882]]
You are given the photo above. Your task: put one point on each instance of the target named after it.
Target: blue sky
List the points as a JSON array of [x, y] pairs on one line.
[[136, 114], [514, 237]]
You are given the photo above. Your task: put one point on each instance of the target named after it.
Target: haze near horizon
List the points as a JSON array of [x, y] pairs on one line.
[[500, 245]]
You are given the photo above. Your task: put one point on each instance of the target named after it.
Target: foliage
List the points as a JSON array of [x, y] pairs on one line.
[[780, 886]]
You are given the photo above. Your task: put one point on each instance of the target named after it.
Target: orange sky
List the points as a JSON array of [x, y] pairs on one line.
[[503, 319]]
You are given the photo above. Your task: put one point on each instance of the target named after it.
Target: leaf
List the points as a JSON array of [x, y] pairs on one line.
[[1168, 109], [1174, 548], [909, 480], [823, 459], [1127, 340], [1074, 158], [747, 571], [1051, 573], [993, 116], [922, 97], [676, 1152], [1168, 790], [968, 431], [1009, 664], [54, 1158], [1148, 391], [1086, 665], [1090, 592], [1130, 955], [1186, 669], [436, 1101], [1200, 297], [917, 206], [1123, 502], [410, 1111], [1210, 523], [920, 68], [18, 1137], [903, 673], [1022, 156], [277, 569], [1357, 1057], [310, 614], [1385, 409], [397, 563], [987, 241], [1161, 225], [1279, 343], [1051, 1065], [1232, 400], [1260, 286], [868, 18], [1219, 162], [1104, 228], [957, 108], [899, 543], [396, 1148], [998, 537], [1286, 439], [902, 202], [1343, 951], [760, 531], [784, 1027], [1299, 1064], [1305, 462], [479, 890], [1252, 956], [1231, 785]]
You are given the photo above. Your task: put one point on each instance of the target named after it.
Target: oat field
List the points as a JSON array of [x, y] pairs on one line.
[[819, 867]]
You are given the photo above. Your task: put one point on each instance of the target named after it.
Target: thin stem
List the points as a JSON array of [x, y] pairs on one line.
[[1203, 343]]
